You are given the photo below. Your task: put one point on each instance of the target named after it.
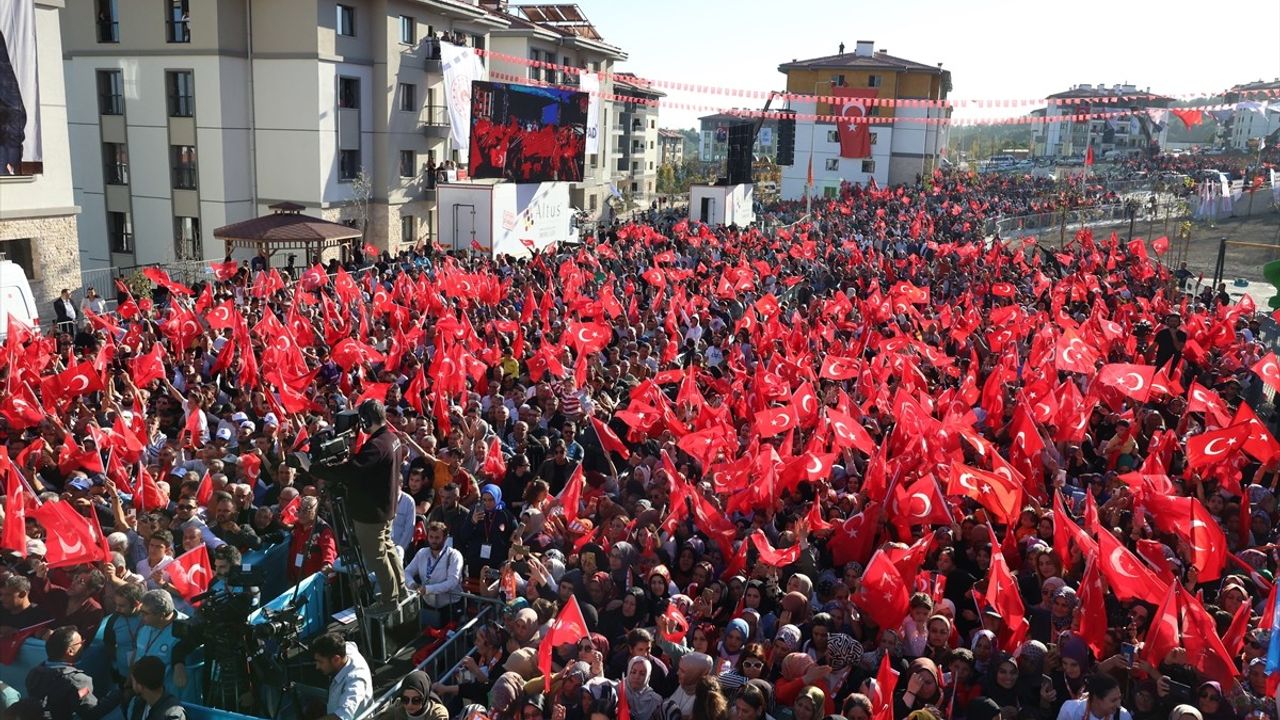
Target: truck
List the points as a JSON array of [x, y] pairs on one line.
[[15, 297], [503, 218]]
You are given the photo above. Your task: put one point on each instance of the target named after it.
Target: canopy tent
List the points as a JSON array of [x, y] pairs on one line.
[[286, 229]]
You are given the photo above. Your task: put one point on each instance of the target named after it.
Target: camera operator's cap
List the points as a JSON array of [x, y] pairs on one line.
[[36, 547], [223, 434]]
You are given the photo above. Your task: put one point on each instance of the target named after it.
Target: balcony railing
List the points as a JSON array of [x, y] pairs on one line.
[[435, 122]]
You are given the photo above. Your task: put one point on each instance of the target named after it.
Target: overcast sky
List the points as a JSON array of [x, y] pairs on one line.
[[995, 49]]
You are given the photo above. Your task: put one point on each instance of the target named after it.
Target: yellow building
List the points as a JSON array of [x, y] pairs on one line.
[[901, 148]]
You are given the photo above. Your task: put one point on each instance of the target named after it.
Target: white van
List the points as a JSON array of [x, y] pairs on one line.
[[15, 297]]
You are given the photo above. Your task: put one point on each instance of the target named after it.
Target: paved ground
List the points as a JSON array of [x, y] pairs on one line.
[[1243, 262]]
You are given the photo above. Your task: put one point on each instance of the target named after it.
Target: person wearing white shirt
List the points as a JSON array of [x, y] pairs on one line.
[[402, 524], [1100, 701], [351, 683], [93, 302], [436, 571], [159, 554]]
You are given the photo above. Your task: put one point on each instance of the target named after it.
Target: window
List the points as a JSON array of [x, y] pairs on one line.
[[408, 97], [349, 92], [108, 21], [186, 238], [348, 164], [873, 138], [830, 192], [408, 229], [408, 164], [182, 160], [346, 23], [181, 91], [110, 92], [535, 72], [833, 164], [635, 187], [19, 251], [833, 136], [653, 124], [408, 30], [650, 164], [593, 204], [477, 42], [868, 166], [874, 80], [115, 164], [120, 232], [177, 22], [837, 80], [594, 160]]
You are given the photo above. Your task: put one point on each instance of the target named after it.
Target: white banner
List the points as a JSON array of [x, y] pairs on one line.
[[590, 83], [461, 67], [19, 90]]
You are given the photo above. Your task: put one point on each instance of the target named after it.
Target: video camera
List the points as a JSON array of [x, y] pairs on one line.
[[330, 446]]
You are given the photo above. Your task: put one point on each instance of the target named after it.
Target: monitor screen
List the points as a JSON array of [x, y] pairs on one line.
[[527, 134]]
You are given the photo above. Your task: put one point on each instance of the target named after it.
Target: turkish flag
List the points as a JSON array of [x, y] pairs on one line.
[[1205, 650], [1093, 606], [882, 595], [1002, 498], [771, 556], [854, 130], [1071, 354], [886, 681], [1165, 632], [1268, 368], [21, 407], [847, 432], [838, 368], [609, 440], [1202, 399], [68, 538], [1128, 578], [79, 380], [920, 504], [1261, 444], [1233, 640], [14, 536], [1002, 594], [1160, 245], [589, 338], [1188, 518], [224, 271], [190, 572], [855, 537], [1134, 381], [495, 466], [1066, 531], [204, 493], [161, 278], [289, 513], [571, 495], [1215, 446], [1088, 156], [568, 628], [775, 421]]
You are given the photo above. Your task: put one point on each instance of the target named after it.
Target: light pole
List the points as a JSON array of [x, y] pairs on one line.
[[808, 188]]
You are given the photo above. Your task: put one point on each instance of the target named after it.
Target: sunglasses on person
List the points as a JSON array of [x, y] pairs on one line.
[[1210, 695], [186, 507], [412, 699], [752, 664]]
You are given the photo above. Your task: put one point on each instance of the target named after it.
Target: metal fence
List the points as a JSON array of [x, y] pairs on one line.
[[445, 661]]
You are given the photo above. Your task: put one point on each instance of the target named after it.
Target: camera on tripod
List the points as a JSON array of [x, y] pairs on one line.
[[330, 446], [281, 625]]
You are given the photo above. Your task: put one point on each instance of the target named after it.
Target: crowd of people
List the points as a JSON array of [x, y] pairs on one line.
[[870, 464]]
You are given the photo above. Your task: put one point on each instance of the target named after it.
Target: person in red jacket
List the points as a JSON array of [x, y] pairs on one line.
[[312, 547]]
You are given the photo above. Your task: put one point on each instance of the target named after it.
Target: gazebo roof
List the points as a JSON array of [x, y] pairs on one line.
[[287, 225]]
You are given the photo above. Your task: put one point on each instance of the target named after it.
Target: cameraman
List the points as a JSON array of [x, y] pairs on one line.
[[373, 474]]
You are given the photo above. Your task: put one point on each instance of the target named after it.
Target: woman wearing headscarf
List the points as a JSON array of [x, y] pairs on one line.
[[641, 699], [486, 535], [810, 704], [1001, 683], [1068, 681], [1211, 702], [622, 563], [415, 701], [631, 613], [785, 642], [919, 687], [734, 638], [983, 647]]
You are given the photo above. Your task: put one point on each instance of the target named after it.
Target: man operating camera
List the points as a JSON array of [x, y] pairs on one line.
[[372, 483]]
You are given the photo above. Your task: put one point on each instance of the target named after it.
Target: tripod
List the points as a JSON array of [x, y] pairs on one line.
[[357, 575]]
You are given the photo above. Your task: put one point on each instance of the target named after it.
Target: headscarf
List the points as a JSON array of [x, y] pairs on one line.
[[644, 702], [1068, 594], [815, 696], [421, 683], [842, 651], [795, 664], [505, 691], [806, 585], [789, 636], [1180, 710], [798, 604], [739, 626], [496, 493], [982, 665]]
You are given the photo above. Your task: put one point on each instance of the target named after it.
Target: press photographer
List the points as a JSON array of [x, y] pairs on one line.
[[370, 484]]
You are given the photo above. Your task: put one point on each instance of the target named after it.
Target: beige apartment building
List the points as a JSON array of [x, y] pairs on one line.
[[37, 206], [186, 116]]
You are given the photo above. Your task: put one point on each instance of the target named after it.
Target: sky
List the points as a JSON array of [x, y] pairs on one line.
[[995, 49]]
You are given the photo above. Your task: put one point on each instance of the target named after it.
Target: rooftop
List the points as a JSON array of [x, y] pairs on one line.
[[857, 60], [628, 84], [1257, 85], [1086, 91], [731, 115], [669, 133]]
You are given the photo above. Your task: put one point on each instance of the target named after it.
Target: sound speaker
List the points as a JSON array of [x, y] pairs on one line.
[[741, 138], [787, 139]]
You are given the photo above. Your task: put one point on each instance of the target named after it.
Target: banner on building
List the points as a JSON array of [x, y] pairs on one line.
[[19, 90], [589, 82], [766, 136], [461, 67], [854, 132]]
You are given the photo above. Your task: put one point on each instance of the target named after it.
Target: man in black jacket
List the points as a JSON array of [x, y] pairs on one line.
[[372, 480], [62, 689], [150, 700]]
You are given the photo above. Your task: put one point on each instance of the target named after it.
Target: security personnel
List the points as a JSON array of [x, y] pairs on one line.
[[63, 690], [373, 477]]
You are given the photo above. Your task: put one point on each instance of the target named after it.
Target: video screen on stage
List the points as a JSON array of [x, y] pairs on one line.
[[527, 134]]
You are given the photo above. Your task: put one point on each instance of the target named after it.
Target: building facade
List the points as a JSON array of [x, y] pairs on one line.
[[901, 149], [670, 147], [38, 210], [1254, 120], [1137, 122], [636, 133], [561, 35], [713, 136]]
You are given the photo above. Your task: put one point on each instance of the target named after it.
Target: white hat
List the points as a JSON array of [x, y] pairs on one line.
[[239, 417], [36, 547], [248, 425], [223, 434]]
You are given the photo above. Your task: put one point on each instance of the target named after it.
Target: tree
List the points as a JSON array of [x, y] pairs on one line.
[[667, 179]]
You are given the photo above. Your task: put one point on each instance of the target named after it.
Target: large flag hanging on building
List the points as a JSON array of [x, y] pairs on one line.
[[855, 131], [461, 66], [589, 83]]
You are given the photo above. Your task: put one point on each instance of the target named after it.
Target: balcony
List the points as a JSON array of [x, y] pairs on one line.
[[435, 122]]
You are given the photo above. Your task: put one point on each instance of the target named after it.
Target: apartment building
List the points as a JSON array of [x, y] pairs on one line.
[[1256, 116], [636, 106], [561, 35], [713, 136], [186, 116], [670, 147], [38, 223], [1136, 122], [901, 149]]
